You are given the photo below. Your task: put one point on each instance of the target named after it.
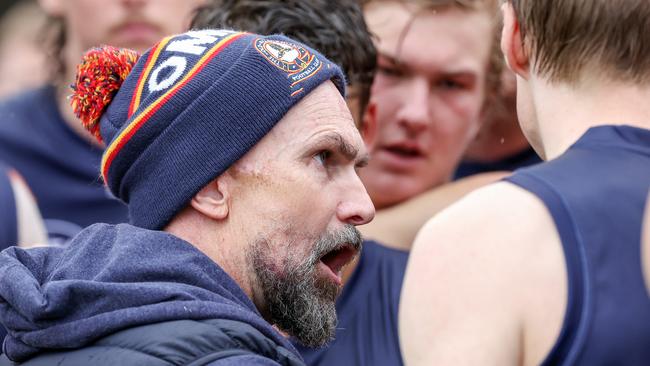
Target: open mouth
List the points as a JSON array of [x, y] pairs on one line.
[[335, 260], [404, 151]]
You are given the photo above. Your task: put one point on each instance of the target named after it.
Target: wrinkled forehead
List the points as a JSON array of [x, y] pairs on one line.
[[318, 115], [324, 109]]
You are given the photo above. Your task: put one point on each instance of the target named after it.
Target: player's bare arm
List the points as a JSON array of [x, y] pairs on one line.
[[397, 226], [478, 290]]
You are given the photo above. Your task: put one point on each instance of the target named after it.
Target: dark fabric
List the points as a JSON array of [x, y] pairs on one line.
[[60, 167], [184, 342], [596, 194], [112, 278], [367, 332], [522, 159], [8, 220]]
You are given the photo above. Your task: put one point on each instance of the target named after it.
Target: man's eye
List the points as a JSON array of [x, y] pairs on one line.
[[390, 71], [323, 156], [450, 84]]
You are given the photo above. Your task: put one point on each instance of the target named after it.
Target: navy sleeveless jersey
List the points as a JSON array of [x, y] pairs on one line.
[[367, 310], [596, 193], [522, 159], [60, 167]]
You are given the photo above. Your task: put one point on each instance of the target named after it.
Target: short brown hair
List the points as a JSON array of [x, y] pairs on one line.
[[567, 37]]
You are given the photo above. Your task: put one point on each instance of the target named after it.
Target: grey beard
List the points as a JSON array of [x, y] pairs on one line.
[[297, 301]]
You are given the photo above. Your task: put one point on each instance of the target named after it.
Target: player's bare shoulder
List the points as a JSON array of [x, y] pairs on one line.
[[501, 214], [496, 254]]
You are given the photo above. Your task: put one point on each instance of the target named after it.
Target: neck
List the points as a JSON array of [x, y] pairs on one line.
[[214, 242], [564, 113], [497, 140]]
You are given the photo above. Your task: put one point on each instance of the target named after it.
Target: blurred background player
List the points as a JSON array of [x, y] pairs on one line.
[[39, 135], [367, 330], [20, 221], [22, 66], [428, 93], [545, 267], [22, 60], [437, 68]]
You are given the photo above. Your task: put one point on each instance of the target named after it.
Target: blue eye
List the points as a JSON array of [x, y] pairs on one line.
[[323, 156]]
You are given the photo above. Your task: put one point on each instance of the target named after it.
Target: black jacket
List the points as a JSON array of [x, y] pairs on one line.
[[183, 342]]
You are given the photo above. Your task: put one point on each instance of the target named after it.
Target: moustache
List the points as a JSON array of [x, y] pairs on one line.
[[330, 242]]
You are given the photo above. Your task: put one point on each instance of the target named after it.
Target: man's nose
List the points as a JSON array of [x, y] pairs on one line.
[[414, 111], [356, 207], [134, 3]]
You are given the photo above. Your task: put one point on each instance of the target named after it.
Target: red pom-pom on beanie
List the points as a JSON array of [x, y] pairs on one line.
[[99, 77]]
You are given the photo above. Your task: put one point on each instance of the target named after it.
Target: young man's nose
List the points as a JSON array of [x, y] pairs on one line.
[[134, 3], [414, 110]]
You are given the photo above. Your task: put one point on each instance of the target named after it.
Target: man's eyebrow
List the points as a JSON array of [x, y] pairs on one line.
[[349, 151], [395, 62], [390, 58]]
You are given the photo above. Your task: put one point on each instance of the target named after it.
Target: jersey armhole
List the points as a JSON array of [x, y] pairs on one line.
[[573, 332]]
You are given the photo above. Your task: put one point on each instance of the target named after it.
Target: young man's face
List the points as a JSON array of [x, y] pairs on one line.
[[135, 24], [426, 97], [296, 200]]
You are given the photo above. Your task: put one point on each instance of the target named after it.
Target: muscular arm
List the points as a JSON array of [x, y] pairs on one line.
[[397, 226], [485, 284]]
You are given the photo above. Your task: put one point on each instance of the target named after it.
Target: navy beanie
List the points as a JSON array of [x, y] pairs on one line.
[[189, 108]]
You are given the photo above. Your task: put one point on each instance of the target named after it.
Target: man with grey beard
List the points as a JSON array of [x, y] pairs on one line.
[[237, 158], [300, 301]]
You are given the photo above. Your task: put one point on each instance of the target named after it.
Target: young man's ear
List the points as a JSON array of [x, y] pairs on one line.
[[512, 43], [369, 126], [213, 200]]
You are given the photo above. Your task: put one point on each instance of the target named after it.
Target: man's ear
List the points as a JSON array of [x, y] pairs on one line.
[[213, 200], [512, 43], [369, 126], [53, 8]]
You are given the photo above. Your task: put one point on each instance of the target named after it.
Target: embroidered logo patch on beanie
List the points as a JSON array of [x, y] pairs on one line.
[[181, 114], [292, 58]]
